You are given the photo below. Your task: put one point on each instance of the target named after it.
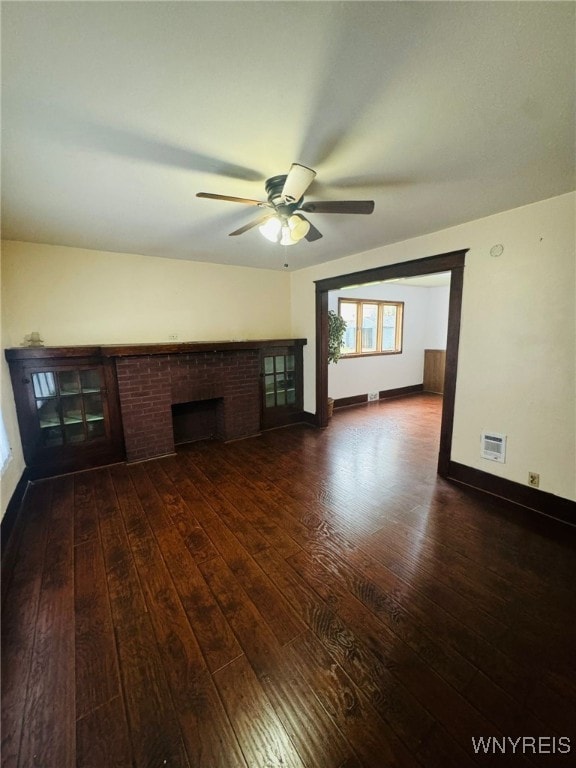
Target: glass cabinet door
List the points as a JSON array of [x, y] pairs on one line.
[[69, 406], [279, 380]]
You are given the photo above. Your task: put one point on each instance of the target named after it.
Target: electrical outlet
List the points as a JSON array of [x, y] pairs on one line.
[[373, 396], [534, 479], [172, 337]]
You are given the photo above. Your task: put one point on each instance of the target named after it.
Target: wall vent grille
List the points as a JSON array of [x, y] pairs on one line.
[[493, 446]]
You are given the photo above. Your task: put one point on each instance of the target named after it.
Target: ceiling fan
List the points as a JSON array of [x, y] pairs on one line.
[[283, 221]]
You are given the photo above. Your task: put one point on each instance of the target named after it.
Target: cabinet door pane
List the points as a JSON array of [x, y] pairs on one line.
[[50, 436], [48, 412], [269, 386], [268, 365], [93, 407], [71, 409], [279, 363], [44, 384], [90, 380], [94, 415], [69, 382], [290, 388], [75, 432], [49, 419], [95, 429]]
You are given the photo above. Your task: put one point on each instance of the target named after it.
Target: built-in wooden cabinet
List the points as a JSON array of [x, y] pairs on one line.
[[67, 406], [434, 368], [82, 407], [282, 385]]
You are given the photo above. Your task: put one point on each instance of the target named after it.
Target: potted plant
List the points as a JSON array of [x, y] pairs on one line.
[[336, 328]]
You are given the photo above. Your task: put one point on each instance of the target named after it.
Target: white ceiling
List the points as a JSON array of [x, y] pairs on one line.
[[115, 114]]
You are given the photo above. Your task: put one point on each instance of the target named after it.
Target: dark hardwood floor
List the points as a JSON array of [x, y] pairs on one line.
[[313, 598]]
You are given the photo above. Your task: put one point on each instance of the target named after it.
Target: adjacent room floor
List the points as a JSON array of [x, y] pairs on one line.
[[309, 597]]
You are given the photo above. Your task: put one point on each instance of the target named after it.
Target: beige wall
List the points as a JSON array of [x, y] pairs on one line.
[[13, 470], [516, 372], [76, 296]]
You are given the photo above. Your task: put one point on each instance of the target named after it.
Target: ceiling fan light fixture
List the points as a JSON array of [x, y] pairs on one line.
[[287, 238], [271, 229], [299, 227], [285, 231]]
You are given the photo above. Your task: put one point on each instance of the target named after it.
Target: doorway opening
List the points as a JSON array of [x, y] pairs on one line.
[[453, 263]]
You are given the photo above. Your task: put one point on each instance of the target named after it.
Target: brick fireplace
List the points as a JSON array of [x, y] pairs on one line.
[[150, 384], [150, 396]]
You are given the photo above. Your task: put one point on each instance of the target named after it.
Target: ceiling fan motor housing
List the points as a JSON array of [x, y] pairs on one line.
[[274, 187]]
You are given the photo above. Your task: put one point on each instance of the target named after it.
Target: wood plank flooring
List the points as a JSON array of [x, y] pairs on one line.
[[306, 598]]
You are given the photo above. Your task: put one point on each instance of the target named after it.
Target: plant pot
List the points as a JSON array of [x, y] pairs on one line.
[[330, 407]]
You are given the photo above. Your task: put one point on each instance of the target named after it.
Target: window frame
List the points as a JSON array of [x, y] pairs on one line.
[[380, 303]]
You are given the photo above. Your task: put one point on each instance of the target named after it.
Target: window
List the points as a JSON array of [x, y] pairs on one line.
[[5, 451], [372, 327]]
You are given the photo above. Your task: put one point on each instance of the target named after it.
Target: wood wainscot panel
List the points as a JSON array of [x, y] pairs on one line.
[[434, 367]]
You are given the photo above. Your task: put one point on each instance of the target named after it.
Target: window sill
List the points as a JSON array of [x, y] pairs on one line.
[[369, 354]]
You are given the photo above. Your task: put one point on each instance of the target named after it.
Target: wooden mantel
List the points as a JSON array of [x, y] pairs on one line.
[[139, 350]]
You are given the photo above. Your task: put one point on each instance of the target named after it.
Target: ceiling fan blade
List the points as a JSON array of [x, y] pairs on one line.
[[339, 206], [255, 223], [69, 128], [297, 182], [244, 200], [313, 233]]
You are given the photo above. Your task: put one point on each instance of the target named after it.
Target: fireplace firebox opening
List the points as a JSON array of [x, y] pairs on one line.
[[197, 420]]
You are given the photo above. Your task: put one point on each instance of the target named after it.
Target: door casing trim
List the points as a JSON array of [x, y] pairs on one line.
[[452, 262]]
